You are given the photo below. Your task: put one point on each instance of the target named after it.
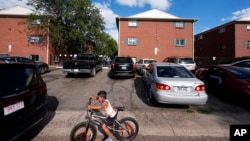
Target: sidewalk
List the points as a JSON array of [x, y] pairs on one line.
[[203, 127]]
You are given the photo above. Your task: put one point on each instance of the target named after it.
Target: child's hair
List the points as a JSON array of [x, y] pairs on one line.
[[102, 94]]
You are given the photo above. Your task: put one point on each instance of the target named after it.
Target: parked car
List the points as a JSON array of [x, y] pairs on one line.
[[122, 66], [143, 63], [86, 63], [187, 62], [242, 63], [172, 83], [41, 66], [22, 99], [227, 81]]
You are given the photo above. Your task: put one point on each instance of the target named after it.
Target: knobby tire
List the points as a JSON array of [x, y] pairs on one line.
[[78, 132]]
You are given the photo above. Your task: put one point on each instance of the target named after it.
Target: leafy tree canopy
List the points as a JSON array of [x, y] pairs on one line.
[[73, 25]]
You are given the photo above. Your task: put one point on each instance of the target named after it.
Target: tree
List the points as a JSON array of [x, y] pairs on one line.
[[74, 25]]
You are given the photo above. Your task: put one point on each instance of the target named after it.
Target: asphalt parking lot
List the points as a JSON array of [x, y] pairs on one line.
[[159, 122]]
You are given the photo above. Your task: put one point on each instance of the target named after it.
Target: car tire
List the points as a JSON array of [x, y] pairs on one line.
[[151, 97]]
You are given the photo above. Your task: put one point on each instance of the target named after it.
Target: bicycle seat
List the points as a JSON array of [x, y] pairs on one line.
[[120, 108]]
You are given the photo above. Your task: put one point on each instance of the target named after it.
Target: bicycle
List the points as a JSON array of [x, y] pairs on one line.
[[125, 129]]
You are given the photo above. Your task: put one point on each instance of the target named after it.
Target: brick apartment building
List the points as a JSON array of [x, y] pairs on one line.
[[14, 41], [155, 34], [223, 43]]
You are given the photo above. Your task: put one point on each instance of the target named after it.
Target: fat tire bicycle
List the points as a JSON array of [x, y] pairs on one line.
[[124, 129]]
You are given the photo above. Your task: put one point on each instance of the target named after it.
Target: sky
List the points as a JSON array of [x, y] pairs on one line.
[[209, 13]]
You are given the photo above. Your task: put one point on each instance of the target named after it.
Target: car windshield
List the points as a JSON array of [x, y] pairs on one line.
[[173, 72], [15, 79], [123, 60], [186, 60], [240, 73]]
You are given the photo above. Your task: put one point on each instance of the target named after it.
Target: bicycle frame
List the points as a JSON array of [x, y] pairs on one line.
[[98, 120]]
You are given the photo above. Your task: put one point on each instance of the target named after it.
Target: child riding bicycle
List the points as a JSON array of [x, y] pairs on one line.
[[109, 111]]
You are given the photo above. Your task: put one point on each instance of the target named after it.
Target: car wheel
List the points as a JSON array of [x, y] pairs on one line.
[[150, 96], [93, 72]]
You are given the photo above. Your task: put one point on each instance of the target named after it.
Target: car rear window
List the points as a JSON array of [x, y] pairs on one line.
[[16, 79], [149, 61], [173, 72], [186, 60], [123, 60]]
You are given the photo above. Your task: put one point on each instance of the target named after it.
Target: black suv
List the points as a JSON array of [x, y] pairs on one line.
[[23, 96], [122, 66]]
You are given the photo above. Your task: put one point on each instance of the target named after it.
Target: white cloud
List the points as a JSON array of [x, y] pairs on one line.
[[109, 19], [158, 4], [241, 14], [238, 15]]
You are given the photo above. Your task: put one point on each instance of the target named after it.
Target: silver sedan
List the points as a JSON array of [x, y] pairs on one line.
[[172, 83]]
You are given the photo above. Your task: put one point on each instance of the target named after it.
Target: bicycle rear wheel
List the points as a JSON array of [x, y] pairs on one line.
[[78, 132], [127, 130]]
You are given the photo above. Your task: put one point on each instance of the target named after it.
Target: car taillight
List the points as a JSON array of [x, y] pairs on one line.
[[112, 66], [133, 66], [200, 88], [162, 86], [247, 87]]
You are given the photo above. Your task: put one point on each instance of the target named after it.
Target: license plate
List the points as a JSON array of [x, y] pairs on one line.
[[181, 89], [76, 70], [13, 108], [124, 68]]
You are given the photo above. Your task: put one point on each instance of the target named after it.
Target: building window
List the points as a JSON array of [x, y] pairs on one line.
[[248, 26], [247, 44], [133, 23], [222, 30], [35, 57], [35, 39], [132, 41], [38, 21], [222, 46], [179, 24], [199, 49], [200, 37], [179, 42]]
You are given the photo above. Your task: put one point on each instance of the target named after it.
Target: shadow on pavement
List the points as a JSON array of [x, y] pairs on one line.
[[52, 106]]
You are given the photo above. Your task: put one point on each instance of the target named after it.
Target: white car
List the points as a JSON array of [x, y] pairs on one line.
[[143, 63], [171, 83]]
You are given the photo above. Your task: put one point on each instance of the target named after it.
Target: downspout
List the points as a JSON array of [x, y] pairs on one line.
[[48, 44], [119, 43]]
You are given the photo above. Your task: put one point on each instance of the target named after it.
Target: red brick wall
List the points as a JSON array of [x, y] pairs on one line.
[[233, 38], [11, 34], [155, 34], [241, 36]]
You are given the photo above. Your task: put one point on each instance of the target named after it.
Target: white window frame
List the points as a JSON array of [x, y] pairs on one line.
[[132, 41], [37, 21], [248, 26], [180, 42], [179, 24], [247, 44], [132, 23], [35, 39]]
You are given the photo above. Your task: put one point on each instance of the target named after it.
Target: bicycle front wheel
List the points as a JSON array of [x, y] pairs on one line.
[[127, 130], [79, 132]]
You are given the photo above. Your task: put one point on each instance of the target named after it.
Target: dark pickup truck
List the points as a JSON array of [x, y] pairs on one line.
[[83, 63]]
